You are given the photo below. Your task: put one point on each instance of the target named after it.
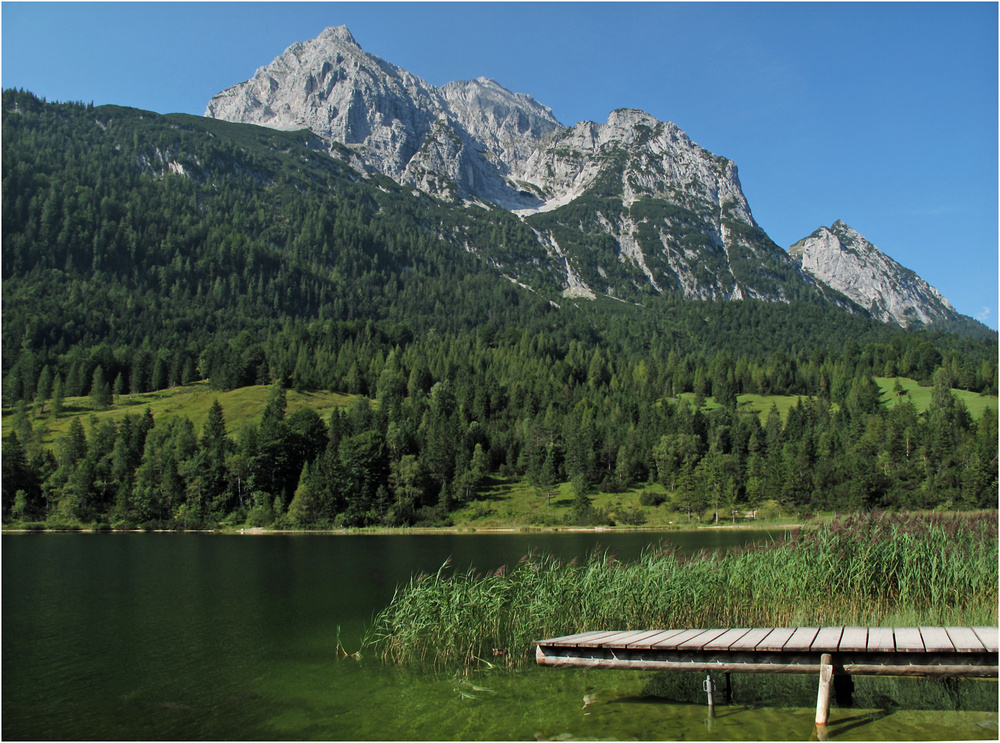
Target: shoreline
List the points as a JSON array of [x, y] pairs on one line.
[[261, 531]]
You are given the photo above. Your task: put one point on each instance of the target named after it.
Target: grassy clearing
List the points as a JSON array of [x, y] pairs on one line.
[[871, 569], [760, 404], [753, 403], [921, 396], [242, 407], [516, 504]]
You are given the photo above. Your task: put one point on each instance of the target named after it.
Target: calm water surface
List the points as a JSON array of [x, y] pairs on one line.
[[193, 637]]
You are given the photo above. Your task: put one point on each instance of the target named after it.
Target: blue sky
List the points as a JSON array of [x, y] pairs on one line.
[[883, 115]]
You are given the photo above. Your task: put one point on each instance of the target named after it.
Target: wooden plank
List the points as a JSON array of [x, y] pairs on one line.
[[677, 639], [880, 640], [776, 638], [750, 639], [827, 639], [989, 637], [698, 642], [644, 637], [936, 640], [802, 638], [599, 639], [854, 638], [626, 639], [584, 638], [658, 637], [727, 638], [965, 640], [908, 640], [565, 639], [616, 637]]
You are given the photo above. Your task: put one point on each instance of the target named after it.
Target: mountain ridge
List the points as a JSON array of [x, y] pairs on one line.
[[475, 141], [619, 208]]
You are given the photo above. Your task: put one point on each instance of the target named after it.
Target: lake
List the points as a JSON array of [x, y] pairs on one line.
[[199, 636]]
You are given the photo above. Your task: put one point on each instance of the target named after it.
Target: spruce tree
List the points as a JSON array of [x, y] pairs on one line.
[[100, 392]]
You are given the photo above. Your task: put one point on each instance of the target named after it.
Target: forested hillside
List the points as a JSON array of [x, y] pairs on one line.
[[143, 251]]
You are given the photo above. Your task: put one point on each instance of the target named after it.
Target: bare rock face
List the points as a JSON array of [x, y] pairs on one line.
[[844, 260], [470, 139], [453, 141], [508, 125], [653, 158], [343, 94]]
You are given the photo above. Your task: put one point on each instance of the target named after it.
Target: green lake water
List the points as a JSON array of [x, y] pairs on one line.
[[196, 636]]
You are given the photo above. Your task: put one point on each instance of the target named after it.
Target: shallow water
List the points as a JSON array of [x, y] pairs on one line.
[[194, 637]]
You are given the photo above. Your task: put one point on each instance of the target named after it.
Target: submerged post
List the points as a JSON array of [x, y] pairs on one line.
[[825, 682], [708, 688]]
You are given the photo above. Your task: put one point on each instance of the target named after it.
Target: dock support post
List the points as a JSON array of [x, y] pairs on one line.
[[728, 694], [708, 687], [825, 682]]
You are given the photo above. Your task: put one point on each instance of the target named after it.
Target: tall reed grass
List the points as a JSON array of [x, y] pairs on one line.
[[874, 569]]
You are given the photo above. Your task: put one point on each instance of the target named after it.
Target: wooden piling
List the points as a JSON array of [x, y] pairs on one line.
[[825, 682]]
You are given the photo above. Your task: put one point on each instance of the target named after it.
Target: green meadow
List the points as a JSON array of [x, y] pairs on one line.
[[242, 407], [507, 504], [912, 391], [921, 396]]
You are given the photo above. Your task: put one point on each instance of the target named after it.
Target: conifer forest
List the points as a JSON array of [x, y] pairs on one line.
[[262, 261]]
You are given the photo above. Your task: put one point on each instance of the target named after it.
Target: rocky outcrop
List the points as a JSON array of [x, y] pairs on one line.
[[473, 139], [844, 260], [459, 140], [639, 156]]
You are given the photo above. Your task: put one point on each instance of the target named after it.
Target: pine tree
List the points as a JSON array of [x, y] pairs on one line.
[[100, 392], [73, 446], [43, 390], [213, 435]]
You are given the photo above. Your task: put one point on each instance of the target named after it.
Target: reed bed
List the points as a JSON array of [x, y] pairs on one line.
[[865, 569]]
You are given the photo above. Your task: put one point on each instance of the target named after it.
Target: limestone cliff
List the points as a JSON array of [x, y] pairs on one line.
[[844, 260]]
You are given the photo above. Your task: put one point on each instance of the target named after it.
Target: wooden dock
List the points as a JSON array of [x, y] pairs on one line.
[[969, 652]]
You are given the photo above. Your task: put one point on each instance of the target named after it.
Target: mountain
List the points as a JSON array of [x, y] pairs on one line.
[[844, 260], [623, 208], [131, 237], [464, 139]]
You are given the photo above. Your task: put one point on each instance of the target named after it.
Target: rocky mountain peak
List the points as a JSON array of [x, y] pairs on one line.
[[337, 34], [474, 139], [840, 257], [460, 140], [629, 118]]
